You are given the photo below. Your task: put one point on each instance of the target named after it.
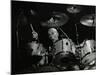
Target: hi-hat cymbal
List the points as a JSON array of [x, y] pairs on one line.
[[88, 20], [73, 9], [57, 19]]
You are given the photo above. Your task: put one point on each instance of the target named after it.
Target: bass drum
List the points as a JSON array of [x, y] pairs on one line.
[[65, 61]]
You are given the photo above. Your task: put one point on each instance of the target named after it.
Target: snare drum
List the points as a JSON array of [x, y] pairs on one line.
[[63, 45]]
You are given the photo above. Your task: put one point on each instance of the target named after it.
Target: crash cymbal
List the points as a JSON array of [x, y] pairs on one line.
[[88, 20], [73, 9], [57, 19]]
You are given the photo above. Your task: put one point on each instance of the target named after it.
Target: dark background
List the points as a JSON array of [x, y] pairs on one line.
[[21, 31]]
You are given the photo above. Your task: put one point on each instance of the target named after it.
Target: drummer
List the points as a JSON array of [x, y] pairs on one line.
[[58, 44], [66, 43]]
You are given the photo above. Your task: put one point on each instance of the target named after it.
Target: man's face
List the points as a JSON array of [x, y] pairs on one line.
[[53, 34]]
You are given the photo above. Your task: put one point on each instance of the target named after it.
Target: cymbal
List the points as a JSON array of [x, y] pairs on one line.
[[57, 19], [73, 9], [88, 20]]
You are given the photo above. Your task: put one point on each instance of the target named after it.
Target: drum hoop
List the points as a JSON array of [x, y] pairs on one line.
[[62, 52], [85, 55]]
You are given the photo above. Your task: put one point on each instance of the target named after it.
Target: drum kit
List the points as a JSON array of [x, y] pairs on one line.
[[86, 49], [83, 55]]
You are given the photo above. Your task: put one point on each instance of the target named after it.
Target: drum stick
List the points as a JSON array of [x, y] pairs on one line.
[[32, 27], [64, 33]]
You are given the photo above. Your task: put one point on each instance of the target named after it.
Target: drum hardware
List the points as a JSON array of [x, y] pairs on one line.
[[78, 47], [46, 58], [77, 35]]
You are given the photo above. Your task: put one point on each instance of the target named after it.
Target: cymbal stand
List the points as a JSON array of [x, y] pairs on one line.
[[77, 35], [79, 47]]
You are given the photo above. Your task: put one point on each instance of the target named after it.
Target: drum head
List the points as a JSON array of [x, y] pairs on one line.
[[63, 59]]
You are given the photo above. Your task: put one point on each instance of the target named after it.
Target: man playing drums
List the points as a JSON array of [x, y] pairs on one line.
[[62, 50]]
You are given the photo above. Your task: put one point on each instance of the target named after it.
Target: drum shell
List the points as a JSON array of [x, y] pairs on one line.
[[88, 46], [63, 45]]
